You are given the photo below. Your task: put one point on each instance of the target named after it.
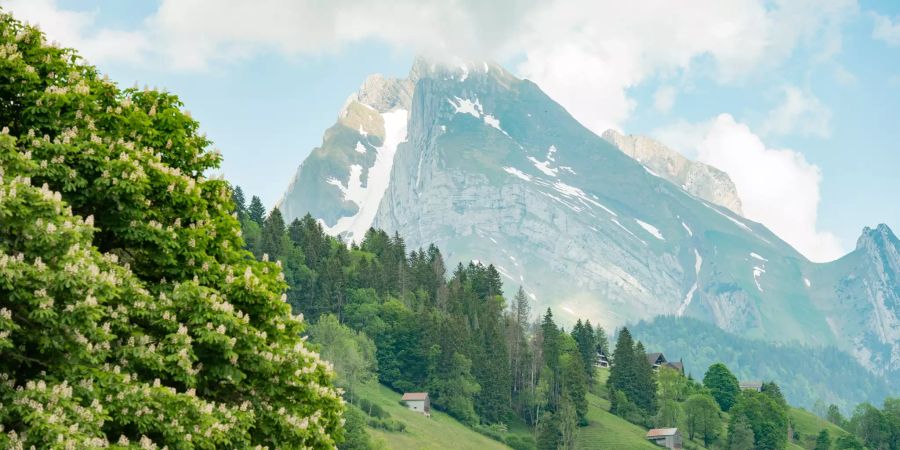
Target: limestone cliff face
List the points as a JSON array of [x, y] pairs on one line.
[[701, 180], [342, 181], [491, 169], [866, 306]]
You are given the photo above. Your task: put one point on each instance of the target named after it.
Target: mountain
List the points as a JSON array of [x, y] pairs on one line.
[[490, 168], [698, 179]]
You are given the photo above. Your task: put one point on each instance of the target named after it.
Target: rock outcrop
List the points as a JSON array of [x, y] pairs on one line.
[[701, 180]]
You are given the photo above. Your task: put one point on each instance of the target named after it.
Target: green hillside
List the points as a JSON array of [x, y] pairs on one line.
[[606, 430], [808, 425], [439, 431]]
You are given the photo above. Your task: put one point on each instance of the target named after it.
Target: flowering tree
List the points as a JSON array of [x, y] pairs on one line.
[[130, 316]]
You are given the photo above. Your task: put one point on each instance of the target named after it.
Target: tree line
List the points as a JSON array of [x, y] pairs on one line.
[[484, 360]]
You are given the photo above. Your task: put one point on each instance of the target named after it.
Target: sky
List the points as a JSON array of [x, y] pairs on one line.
[[795, 99]]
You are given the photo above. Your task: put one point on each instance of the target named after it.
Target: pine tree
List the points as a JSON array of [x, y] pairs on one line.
[[823, 441], [575, 385], [551, 354], [622, 374], [240, 204], [273, 236], [548, 432], [644, 393], [587, 346], [256, 211], [602, 340]]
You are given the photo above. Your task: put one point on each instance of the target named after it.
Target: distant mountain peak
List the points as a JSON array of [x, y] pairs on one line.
[[382, 94], [457, 69], [880, 236], [701, 180]]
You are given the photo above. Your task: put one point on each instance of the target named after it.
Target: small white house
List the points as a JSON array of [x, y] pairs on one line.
[[417, 401], [751, 385]]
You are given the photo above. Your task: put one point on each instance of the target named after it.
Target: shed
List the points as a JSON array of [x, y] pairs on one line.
[[665, 437], [417, 401]]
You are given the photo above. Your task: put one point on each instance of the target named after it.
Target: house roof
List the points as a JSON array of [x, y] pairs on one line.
[[677, 365], [652, 358], [662, 432], [414, 396]]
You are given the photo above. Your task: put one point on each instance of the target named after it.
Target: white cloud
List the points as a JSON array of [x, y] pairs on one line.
[[586, 54], [777, 187], [664, 98], [78, 29], [886, 29], [800, 112]]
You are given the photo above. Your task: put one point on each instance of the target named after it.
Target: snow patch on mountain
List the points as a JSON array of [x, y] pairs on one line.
[[698, 263], [517, 173], [627, 231], [757, 256], [368, 198], [688, 229], [757, 273], [466, 106], [545, 165], [360, 148], [650, 229]]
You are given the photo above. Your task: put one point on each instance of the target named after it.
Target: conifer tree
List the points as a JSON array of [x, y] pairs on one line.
[[240, 203], [644, 393], [587, 346], [551, 354], [256, 211], [274, 240], [823, 441], [622, 374]]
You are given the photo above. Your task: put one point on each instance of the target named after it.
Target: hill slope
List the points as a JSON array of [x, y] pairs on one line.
[[805, 374], [439, 431]]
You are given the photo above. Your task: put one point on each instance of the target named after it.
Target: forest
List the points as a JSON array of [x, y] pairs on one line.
[[489, 362]]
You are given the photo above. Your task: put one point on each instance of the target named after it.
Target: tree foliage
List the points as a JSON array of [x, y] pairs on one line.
[[129, 311], [703, 418], [723, 385], [766, 417]]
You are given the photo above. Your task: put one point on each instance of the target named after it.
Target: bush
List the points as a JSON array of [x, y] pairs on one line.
[[521, 442], [495, 431], [388, 424], [372, 409]]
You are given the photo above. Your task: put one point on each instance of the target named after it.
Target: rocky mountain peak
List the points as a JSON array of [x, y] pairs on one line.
[[457, 69], [383, 94], [701, 180], [881, 243]]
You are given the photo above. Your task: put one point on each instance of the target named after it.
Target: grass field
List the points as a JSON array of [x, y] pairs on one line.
[[440, 431], [607, 431], [808, 425], [604, 430]]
